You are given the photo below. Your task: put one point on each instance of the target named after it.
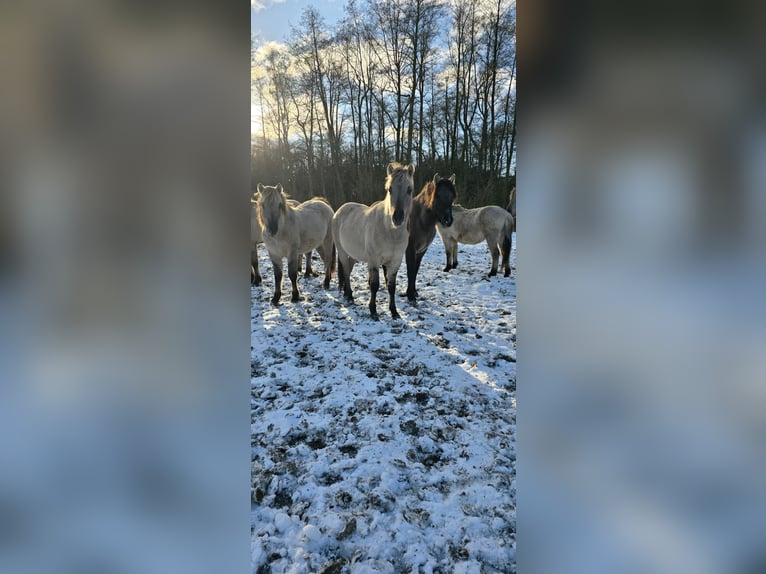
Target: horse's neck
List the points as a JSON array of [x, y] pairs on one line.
[[425, 214]]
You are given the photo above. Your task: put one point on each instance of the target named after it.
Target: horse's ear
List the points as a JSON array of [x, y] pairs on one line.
[[280, 189], [390, 169], [260, 187], [411, 169], [256, 197], [452, 178], [436, 178]]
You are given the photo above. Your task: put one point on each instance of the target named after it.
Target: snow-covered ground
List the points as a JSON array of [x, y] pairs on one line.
[[386, 447]]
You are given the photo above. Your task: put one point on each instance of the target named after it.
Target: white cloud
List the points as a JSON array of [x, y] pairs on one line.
[[258, 5]]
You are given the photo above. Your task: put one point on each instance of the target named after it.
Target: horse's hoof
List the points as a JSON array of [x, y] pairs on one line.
[[375, 316], [492, 273], [395, 315], [275, 302], [446, 269], [295, 298], [507, 273]]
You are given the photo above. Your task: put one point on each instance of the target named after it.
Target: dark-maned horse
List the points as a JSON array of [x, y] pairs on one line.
[[433, 204]]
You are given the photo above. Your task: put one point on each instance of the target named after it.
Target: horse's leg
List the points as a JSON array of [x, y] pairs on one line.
[[328, 275], [454, 254], [412, 271], [418, 260], [341, 275], [448, 253], [327, 253], [348, 266], [495, 253], [391, 283], [505, 249], [373, 279], [293, 267], [276, 263], [255, 275], [309, 271]]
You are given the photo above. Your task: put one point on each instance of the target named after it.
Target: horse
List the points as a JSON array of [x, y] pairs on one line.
[[289, 231], [512, 206], [432, 204], [256, 237], [376, 235], [492, 224]]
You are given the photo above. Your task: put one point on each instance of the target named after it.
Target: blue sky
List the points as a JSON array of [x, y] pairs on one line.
[[270, 20]]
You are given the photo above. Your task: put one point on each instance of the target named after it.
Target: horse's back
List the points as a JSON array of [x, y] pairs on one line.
[[494, 216], [316, 206], [467, 227], [313, 218]]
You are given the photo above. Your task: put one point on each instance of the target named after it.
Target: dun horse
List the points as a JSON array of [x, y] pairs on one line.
[[377, 235], [256, 237], [492, 224], [433, 204], [512, 206], [290, 231]]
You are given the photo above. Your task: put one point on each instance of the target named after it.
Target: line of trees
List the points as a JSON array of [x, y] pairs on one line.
[[425, 81]]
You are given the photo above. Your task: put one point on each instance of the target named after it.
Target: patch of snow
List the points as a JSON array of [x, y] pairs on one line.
[[386, 446]]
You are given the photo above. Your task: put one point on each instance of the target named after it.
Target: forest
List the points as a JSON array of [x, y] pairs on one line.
[[429, 82]]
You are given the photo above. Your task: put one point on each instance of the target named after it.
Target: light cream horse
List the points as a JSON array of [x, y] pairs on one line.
[[290, 231], [256, 238], [377, 235], [492, 224]]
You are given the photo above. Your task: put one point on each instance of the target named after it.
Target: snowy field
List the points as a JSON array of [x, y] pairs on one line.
[[386, 447]]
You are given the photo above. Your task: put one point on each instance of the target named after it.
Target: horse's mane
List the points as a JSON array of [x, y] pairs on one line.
[[398, 170]]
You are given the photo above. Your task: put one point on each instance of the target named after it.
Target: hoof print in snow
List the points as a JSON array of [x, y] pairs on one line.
[[343, 498], [257, 495], [329, 479], [427, 459], [349, 529], [317, 442], [334, 567], [282, 499], [350, 449], [410, 427]]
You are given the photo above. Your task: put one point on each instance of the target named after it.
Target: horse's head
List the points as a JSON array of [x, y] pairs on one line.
[[442, 194], [399, 186], [271, 207]]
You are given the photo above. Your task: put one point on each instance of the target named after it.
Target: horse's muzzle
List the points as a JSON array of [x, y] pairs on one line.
[[272, 229], [447, 221], [398, 217]]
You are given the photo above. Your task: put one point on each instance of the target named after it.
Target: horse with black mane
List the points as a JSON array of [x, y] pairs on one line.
[[433, 204]]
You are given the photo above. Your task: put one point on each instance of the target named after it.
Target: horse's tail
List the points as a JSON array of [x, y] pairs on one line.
[[333, 258], [508, 234]]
